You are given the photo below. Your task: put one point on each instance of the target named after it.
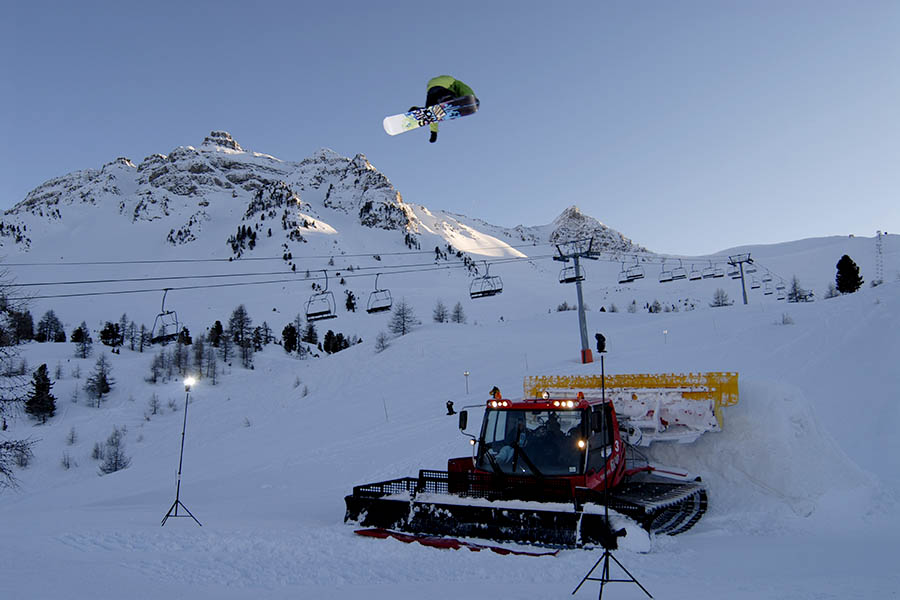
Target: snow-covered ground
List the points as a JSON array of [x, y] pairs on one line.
[[804, 478]]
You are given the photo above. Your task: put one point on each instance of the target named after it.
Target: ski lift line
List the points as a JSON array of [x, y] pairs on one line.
[[407, 269], [614, 256], [292, 279], [250, 258]]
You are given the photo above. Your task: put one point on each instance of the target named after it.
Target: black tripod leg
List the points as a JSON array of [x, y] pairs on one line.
[[638, 583]]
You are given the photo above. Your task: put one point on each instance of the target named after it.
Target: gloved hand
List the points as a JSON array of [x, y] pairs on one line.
[[433, 137]]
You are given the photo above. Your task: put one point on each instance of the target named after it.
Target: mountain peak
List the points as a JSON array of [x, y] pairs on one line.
[[572, 224], [223, 140]]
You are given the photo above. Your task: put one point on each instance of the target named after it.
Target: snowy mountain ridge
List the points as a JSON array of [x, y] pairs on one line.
[[184, 191]]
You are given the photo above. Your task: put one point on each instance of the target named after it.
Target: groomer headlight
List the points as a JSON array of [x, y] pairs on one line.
[[545, 395]]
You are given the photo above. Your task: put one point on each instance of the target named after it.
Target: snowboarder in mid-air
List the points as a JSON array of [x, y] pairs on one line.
[[441, 89]]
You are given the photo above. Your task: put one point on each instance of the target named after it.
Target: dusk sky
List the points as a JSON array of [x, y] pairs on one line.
[[690, 127]]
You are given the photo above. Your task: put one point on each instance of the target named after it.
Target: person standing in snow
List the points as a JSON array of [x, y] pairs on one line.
[[441, 89]]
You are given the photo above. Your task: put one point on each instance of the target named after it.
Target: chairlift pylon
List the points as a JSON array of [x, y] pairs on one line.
[[486, 285], [321, 305], [165, 325], [380, 300]]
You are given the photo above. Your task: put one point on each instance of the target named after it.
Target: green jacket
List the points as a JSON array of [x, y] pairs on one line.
[[454, 85]]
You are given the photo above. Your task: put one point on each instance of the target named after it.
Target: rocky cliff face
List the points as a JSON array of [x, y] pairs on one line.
[[192, 193], [191, 185], [572, 224]]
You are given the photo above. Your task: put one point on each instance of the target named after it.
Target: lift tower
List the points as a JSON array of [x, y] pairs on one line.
[[575, 251]]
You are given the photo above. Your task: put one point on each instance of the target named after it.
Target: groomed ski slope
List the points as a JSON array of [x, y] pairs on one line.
[[803, 479]]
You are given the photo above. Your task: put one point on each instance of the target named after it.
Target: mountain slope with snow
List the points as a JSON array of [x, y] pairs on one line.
[[270, 453], [803, 478]]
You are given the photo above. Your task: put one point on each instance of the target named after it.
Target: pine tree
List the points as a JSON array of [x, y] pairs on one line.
[[82, 339], [114, 458], [101, 381], [403, 319], [440, 314], [143, 338], [328, 342], [22, 324], [41, 404], [123, 328], [796, 293], [847, 279], [49, 328], [310, 335], [720, 298], [111, 334], [199, 349], [240, 330], [289, 338], [458, 315], [215, 334]]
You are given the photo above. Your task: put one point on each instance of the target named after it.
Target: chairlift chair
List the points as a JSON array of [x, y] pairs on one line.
[[623, 275], [781, 295], [679, 272], [635, 271], [379, 300], [570, 275], [321, 305], [754, 283], [767, 277], [718, 272], [734, 272], [751, 268], [665, 275], [165, 326], [487, 285], [695, 274], [709, 272], [768, 291]]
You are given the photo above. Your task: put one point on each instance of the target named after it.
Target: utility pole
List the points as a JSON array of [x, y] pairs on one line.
[[575, 251], [738, 260]]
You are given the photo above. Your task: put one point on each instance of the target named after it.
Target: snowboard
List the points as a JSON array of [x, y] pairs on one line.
[[419, 117]]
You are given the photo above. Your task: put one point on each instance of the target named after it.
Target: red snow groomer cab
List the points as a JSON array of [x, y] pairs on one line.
[[543, 467]]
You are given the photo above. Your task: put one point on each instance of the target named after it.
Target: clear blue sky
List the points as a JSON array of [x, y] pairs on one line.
[[688, 126]]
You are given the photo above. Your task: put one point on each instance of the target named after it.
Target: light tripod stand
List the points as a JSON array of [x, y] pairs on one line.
[[173, 510], [609, 542]]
